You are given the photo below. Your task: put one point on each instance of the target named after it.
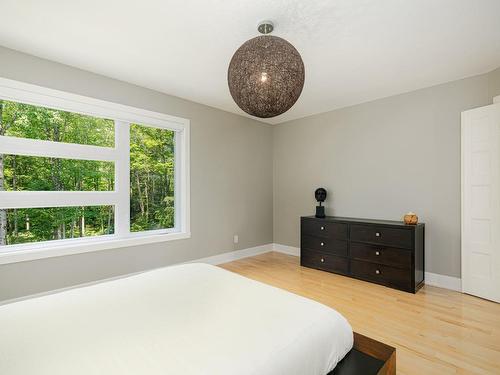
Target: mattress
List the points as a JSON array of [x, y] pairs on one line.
[[185, 319]]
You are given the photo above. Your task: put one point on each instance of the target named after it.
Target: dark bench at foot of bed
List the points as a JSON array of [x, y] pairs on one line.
[[367, 357]]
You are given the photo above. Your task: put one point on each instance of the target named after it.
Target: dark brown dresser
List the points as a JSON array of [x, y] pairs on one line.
[[390, 253]]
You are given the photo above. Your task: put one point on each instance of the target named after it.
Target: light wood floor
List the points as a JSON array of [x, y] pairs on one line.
[[436, 331]]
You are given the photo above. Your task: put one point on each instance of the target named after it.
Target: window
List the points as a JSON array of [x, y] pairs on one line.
[[152, 177], [27, 225], [79, 174]]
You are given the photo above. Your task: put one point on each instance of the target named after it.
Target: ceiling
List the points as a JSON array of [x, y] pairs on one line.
[[354, 50]]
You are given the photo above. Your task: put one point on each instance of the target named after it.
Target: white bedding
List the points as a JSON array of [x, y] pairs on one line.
[[182, 320]]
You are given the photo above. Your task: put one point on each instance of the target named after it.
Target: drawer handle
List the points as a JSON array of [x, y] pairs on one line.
[[322, 244], [322, 260], [377, 272], [377, 252], [377, 234], [322, 228]]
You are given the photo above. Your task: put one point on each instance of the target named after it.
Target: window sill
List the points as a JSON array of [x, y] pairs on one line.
[[23, 254]]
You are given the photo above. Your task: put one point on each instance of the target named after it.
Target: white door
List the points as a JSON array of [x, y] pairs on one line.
[[481, 202]]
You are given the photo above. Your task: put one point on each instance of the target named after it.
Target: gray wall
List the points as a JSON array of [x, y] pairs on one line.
[[231, 183], [494, 82], [379, 160]]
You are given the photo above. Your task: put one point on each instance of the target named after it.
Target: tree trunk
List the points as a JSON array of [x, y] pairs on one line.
[[55, 163], [110, 213], [14, 187], [81, 223], [138, 182], [101, 218], [146, 195]]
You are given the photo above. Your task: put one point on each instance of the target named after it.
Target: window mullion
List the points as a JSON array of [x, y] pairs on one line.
[[177, 181], [40, 199], [36, 147], [122, 178], [182, 185]]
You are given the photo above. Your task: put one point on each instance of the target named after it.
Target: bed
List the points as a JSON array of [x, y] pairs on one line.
[[185, 319]]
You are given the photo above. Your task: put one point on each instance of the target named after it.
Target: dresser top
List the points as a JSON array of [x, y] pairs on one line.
[[362, 221]]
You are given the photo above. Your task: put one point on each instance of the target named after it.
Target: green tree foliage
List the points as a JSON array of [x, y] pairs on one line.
[[152, 171], [151, 178]]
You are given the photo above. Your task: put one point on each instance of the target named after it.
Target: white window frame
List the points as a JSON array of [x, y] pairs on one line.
[[123, 116]]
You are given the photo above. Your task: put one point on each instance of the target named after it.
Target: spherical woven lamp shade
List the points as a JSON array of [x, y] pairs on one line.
[[266, 76]]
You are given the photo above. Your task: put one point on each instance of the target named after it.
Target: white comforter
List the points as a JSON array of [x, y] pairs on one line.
[[180, 320]]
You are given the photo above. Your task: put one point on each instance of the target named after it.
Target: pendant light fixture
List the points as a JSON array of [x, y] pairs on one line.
[[266, 74]]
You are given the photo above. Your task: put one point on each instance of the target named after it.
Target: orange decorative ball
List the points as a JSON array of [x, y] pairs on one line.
[[410, 218]]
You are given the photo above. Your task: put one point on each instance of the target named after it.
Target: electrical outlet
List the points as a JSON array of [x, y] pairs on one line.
[[235, 238]]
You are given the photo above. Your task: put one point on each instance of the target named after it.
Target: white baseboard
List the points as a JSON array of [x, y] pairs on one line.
[[434, 279], [285, 249], [235, 255], [443, 281]]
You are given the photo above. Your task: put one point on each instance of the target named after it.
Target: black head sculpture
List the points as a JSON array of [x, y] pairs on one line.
[[320, 195]]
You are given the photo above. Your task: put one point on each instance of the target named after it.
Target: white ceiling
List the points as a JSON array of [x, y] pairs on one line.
[[354, 50]]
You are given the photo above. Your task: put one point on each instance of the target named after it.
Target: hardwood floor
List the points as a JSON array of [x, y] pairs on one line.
[[436, 331]]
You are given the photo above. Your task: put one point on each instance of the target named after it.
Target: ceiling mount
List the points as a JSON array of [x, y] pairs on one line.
[[265, 27]]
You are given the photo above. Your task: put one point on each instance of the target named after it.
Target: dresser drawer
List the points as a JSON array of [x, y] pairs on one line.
[[374, 234], [323, 228], [325, 245], [323, 261], [381, 274], [383, 255]]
